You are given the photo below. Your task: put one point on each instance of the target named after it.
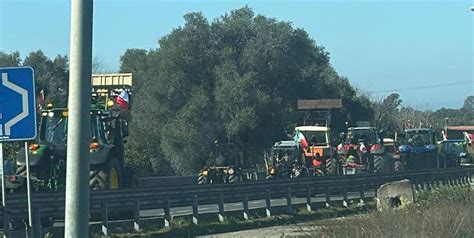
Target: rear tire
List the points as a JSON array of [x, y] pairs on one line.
[[379, 165], [106, 176], [331, 166]]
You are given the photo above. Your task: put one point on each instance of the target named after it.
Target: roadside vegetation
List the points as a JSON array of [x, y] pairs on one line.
[[445, 212]]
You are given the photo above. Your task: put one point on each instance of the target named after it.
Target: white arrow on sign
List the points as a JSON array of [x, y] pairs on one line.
[[24, 103]]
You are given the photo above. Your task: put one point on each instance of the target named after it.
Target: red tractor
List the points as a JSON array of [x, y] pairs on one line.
[[361, 151]]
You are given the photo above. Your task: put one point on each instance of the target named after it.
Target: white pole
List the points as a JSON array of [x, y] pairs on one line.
[[79, 102], [3, 175], [28, 185]]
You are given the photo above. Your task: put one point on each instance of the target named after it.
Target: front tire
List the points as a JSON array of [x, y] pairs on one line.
[[202, 179], [235, 178], [398, 167]]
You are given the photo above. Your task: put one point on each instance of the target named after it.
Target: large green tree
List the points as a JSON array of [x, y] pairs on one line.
[[235, 79]]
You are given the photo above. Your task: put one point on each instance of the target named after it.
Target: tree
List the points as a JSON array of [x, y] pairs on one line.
[[236, 79], [10, 60], [52, 76], [386, 113]]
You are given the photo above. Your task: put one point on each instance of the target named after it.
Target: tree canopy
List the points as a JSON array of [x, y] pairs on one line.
[[235, 79]]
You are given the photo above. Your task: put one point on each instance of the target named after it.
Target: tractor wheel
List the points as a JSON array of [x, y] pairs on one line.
[[106, 176], [235, 178], [331, 166], [398, 167], [379, 165], [202, 179], [299, 173], [270, 177]]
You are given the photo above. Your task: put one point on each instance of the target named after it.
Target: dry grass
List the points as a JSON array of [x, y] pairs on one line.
[[436, 218]]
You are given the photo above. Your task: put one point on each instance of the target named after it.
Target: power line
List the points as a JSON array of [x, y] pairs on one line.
[[424, 87]]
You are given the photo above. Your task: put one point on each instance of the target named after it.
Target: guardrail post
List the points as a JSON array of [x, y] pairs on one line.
[[451, 180], [289, 208], [136, 215], [166, 208], [195, 210], [105, 218], [308, 199], [422, 184], [344, 196], [268, 204], [221, 207], [362, 194], [37, 222], [245, 204], [328, 196], [429, 181]]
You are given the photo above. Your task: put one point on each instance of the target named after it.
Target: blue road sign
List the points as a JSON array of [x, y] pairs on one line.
[[17, 104]]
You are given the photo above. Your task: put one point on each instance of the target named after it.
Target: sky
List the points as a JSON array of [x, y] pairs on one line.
[[422, 50]]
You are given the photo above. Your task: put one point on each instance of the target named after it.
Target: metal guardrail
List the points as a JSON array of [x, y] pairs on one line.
[[134, 200], [178, 181]]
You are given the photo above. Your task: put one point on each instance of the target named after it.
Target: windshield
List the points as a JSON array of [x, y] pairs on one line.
[[418, 138], [283, 154], [452, 148], [358, 135], [54, 125], [315, 137]]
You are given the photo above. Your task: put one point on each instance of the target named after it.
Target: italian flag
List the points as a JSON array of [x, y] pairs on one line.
[[300, 139]]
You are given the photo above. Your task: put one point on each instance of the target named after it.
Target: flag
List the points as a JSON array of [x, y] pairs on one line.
[[40, 100], [300, 139], [467, 138], [445, 136], [122, 100]]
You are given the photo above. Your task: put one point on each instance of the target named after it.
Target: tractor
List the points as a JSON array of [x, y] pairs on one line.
[[47, 155], [418, 149], [226, 167], [453, 153], [318, 155], [285, 161], [361, 151]]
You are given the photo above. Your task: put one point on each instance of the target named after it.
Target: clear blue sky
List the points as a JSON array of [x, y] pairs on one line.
[[379, 45]]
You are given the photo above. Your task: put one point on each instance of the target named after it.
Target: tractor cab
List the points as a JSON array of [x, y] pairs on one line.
[[283, 155]]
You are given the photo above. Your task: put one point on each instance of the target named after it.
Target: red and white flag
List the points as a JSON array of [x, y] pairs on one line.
[[41, 100], [301, 139]]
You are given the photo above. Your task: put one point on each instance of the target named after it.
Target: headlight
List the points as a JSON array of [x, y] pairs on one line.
[[205, 172], [231, 171], [272, 171]]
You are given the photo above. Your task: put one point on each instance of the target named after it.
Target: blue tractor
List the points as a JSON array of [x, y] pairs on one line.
[[418, 149]]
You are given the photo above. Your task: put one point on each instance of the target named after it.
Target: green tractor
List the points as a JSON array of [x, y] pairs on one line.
[[47, 155]]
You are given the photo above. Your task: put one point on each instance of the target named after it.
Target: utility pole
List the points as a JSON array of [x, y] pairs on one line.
[[79, 103]]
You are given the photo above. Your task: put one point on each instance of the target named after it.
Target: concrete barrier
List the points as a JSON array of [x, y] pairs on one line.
[[394, 194]]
